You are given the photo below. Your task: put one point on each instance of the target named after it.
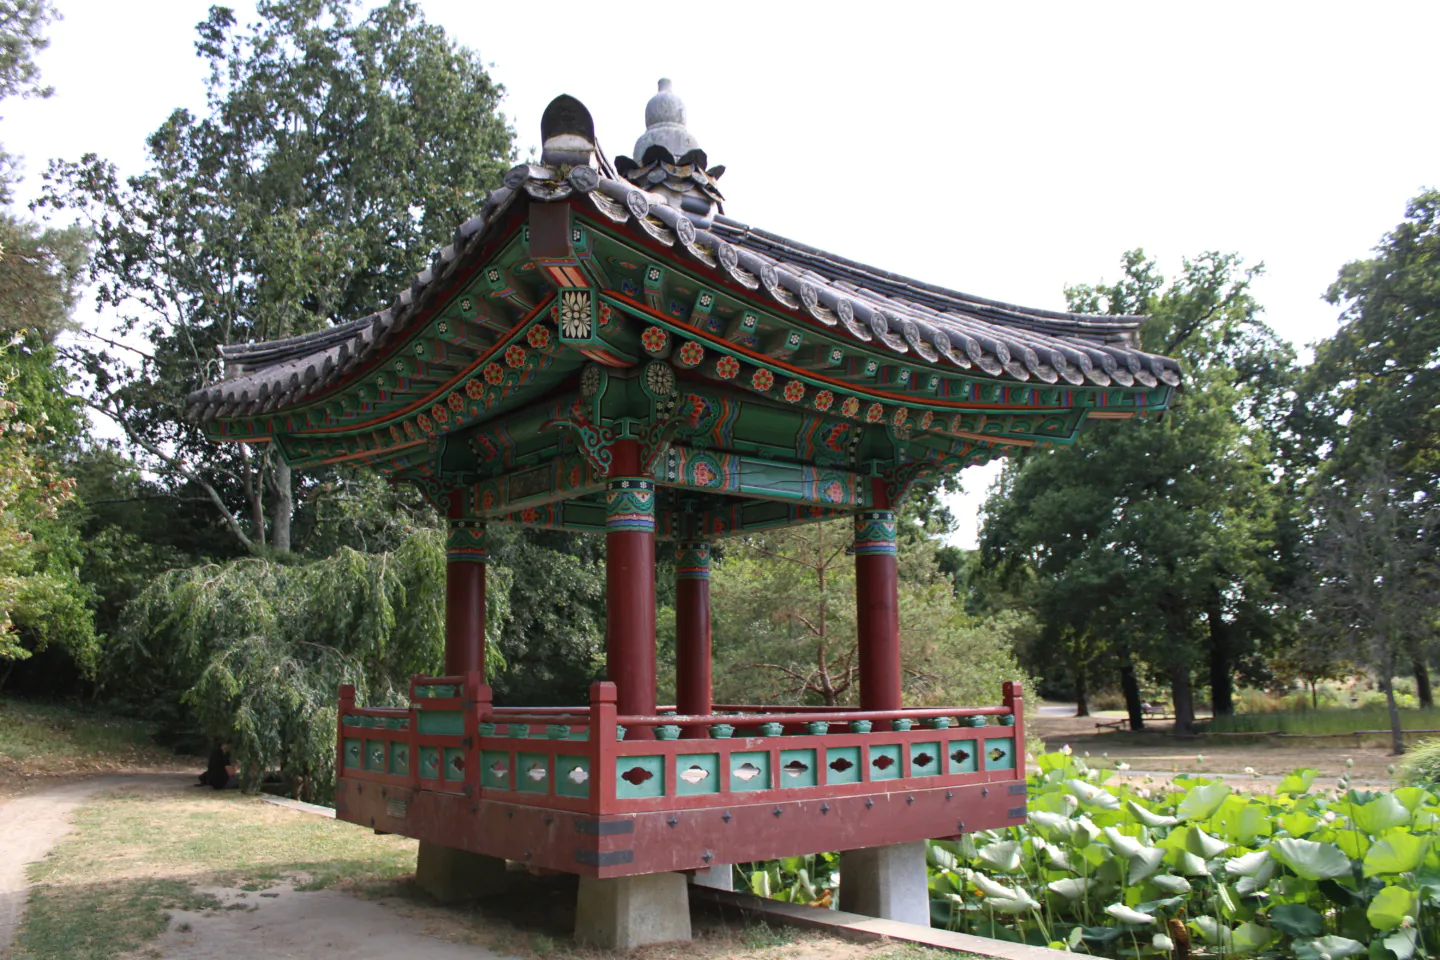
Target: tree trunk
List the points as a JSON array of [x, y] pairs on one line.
[[1423, 691], [1184, 697], [1314, 696], [1130, 688], [283, 508], [1222, 668], [1387, 683], [1082, 692]]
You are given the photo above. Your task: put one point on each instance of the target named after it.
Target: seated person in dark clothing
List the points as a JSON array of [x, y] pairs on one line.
[[221, 772]]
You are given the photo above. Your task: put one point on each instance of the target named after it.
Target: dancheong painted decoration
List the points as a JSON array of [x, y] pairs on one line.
[[602, 349]]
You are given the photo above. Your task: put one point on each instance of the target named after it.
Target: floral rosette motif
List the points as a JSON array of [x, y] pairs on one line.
[[874, 413], [575, 314], [487, 500], [474, 389], [410, 430], [704, 476], [762, 380], [515, 355], [926, 419], [425, 423], [396, 434], [691, 354], [538, 336], [654, 339], [901, 415], [726, 368], [607, 313], [794, 391], [456, 401], [823, 400], [851, 406], [529, 515], [494, 373], [833, 491], [439, 414]]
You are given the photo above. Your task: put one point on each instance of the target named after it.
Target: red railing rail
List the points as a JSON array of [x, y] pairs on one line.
[[833, 715]]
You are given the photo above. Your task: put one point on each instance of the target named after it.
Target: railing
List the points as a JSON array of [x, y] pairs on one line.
[[452, 739]]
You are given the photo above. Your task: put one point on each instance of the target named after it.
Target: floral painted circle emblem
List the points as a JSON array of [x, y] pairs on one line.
[[851, 406], [439, 414], [494, 373], [726, 368], [607, 313], [515, 355], [529, 515], [456, 401], [487, 500], [410, 430], [654, 339], [575, 314], [474, 389], [659, 378], [395, 433], [901, 415], [927, 418], [762, 380], [794, 391], [538, 336], [426, 423], [704, 475], [833, 492], [691, 354], [823, 400], [874, 413]]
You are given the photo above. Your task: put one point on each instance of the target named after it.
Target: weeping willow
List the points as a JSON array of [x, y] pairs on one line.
[[257, 648]]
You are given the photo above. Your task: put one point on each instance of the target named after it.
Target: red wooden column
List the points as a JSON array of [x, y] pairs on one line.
[[693, 694], [465, 558], [630, 583], [877, 607]]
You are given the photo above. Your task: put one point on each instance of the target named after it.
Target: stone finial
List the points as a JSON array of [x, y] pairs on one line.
[[669, 159]]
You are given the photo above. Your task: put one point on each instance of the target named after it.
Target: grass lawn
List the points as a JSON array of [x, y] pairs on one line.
[[107, 890], [1327, 720], [53, 740]]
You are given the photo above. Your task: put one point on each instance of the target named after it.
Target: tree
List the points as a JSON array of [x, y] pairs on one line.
[[22, 35], [337, 153], [784, 619], [1375, 384], [1150, 543], [1376, 584]]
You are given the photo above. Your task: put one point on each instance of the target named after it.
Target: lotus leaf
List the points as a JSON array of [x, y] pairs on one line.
[[1251, 938], [1093, 796], [1126, 915], [1003, 855], [1149, 817], [1311, 860], [1072, 889], [1125, 846], [1380, 814], [1402, 943], [1202, 801], [1389, 908], [1327, 948], [1171, 883], [1297, 782], [1296, 920], [1397, 853]]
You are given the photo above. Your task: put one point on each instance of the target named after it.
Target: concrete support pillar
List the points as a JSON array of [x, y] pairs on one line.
[[877, 610], [451, 875], [465, 558], [719, 876], [886, 882], [630, 584], [623, 913]]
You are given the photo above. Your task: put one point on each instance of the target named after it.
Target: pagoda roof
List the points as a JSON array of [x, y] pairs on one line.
[[768, 382], [930, 325]]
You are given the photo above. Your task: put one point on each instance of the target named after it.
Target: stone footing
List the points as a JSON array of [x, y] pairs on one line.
[[720, 876], [628, 912], [451, 876], [886, 882]]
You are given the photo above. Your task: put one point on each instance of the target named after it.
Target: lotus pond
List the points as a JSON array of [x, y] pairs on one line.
[[1190, 868]]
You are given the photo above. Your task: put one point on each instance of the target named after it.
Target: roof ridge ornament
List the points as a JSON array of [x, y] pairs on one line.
[[669, 160]]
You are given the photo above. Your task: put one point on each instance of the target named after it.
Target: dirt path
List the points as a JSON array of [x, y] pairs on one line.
[[35, 821], [282, 922]]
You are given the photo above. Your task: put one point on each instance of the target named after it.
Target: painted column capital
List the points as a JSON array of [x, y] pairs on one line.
[[630, 505], [465, 540], [875, 533], [692, 560]]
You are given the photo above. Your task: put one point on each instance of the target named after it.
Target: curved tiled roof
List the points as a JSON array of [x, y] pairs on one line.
[[940, 327]]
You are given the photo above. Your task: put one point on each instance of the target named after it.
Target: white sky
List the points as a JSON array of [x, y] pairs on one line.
[[1001, 149]]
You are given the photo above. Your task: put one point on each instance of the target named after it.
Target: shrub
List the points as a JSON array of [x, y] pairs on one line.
[[1421, 767]]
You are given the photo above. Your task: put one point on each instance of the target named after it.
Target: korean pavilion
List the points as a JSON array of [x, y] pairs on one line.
[[601, 349]]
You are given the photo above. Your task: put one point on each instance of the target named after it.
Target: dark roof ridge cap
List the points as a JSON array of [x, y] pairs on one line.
[[803, 250]]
